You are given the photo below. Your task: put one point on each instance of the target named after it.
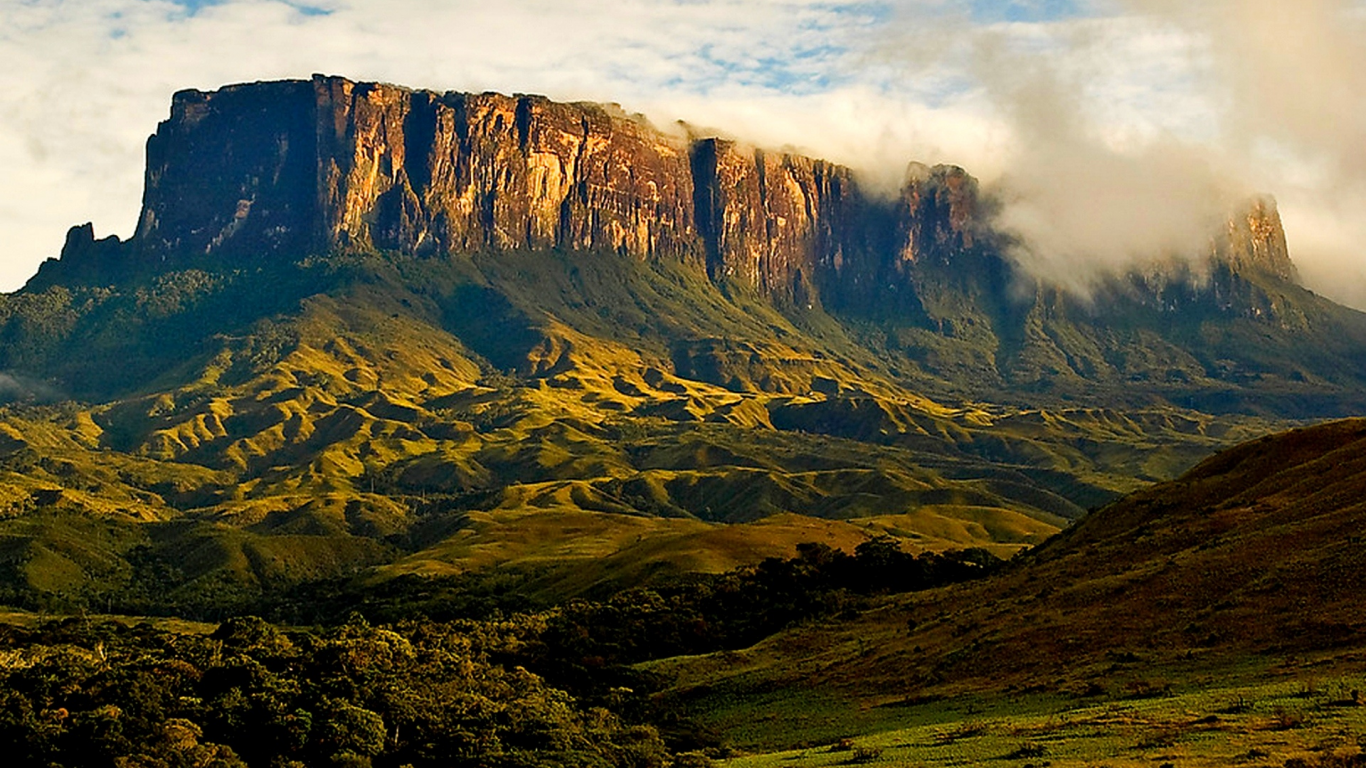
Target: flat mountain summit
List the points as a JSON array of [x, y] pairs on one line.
[[265, 172], [363, 329]]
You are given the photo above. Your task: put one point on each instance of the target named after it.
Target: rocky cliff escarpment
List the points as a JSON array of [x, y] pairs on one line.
[[292, 168], [419, 171], [298, 167], [940, 213], [556, 223], [778, 222], [231, 172], [310, 166], [1255, 240]]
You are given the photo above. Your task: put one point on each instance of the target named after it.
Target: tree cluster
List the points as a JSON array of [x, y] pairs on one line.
[[739, 608], [78, 693], [550, 687]]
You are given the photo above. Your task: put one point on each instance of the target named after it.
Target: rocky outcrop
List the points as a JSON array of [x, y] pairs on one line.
[[940, 213], [1254, 240], [1249, 247], [231, 173], [778, 222]]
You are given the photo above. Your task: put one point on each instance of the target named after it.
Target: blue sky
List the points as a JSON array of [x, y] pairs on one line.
[[1035, 11], [1168, 108], [307, 8]]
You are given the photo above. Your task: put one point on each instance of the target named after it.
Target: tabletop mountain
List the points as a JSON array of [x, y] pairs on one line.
[[364, 327]]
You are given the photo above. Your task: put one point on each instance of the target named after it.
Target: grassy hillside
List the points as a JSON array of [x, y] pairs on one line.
[[1208, 621], [437, 415], [1237, 582]]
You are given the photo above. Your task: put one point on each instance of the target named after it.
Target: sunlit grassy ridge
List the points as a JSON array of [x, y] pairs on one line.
[[1243, 572], [287, 422]]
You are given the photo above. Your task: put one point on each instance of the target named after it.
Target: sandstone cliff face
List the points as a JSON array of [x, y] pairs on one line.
[[1250, 244], [418, 171], [1255, 240], [299, 167], [231, 171], [296, 167], [777, 222], [939, 213]]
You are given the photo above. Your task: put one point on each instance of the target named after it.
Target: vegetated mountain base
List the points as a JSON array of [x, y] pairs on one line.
[[405, 415], [1131, 661], [367, 331], [547, 688]]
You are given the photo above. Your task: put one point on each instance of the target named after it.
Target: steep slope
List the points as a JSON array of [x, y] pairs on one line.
[[370, 424], [1252, 559]]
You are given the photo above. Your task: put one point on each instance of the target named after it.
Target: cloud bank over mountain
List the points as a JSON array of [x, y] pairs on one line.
[[1113, 131]]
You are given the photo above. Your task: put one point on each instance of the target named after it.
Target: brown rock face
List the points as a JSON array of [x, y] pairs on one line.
[[776, 222], [292, 168], [231, 171], [300, 167], [1255, 240], [939, 212], [311, 166], [417, 171]]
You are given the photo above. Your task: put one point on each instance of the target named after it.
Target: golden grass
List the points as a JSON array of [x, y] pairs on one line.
[[1252, 555]]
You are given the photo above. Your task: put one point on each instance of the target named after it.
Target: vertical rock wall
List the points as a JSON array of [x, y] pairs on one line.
[[231, 171], [309, 166], [777, 222], [298, 167], [418, 171]]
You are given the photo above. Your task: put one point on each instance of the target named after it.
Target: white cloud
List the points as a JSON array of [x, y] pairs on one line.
[[1105, 163], [1289, 80], [1133, 128]]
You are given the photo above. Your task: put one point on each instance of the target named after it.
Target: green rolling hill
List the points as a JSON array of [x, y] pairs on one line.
[[363, 331], [1238, 579]]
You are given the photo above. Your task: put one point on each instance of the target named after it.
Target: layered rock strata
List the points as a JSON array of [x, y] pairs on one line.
[[293, 168], [311, 166]]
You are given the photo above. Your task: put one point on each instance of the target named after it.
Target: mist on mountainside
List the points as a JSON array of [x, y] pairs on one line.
[[1130, 138]]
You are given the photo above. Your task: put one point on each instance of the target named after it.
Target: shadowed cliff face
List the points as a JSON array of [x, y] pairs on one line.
[[939, 213], [231, 172]]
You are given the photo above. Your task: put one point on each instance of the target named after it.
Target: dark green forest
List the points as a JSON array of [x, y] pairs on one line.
[[457, 683]]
